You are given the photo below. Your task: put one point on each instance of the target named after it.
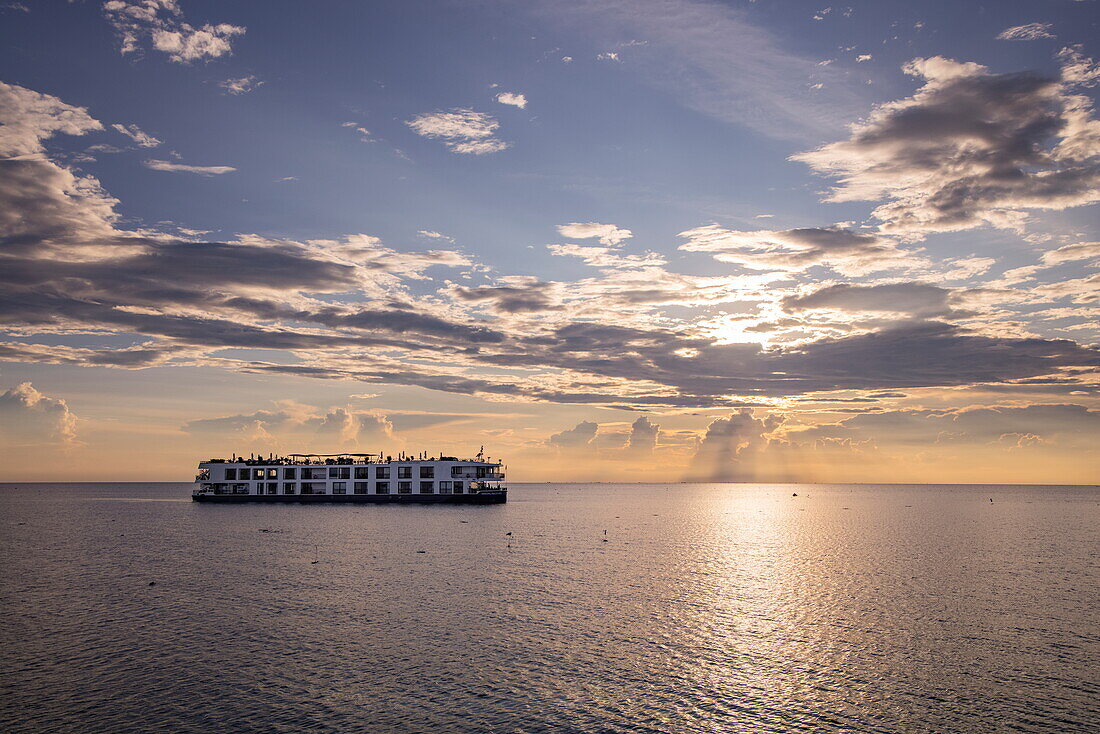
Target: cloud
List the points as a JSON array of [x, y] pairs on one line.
[[977, 425], [364, 133], [332, 427], [920, 300], [432, 234], [28, 418], [1070, 253], [520, 295], [579, 436], [729, 450], [354, 309], [461, 129], [643, 436], [1078, 69], [1026, 32], [135, 133], [30, 117], [240, 85], [161, 23], [863, 57], [183, 168], [510, 98], [608, 56], [969, 148], [608, 234], [795, 250]]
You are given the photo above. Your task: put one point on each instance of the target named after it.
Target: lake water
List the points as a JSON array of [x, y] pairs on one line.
[[709, 608]]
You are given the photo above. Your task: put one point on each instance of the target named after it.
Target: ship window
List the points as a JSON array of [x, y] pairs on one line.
[[362, 472], [458, 487], [272, 487], [381, 487], [427, 488], [272, 473], [382, 472], [240, 489], [289, 488], [362, 487], [482, 471], [444, 487], [456, 471], [339, 487], [230, 474], [339, 472], [404, 472], [314, 473], [404, 487], [257, 473], [289, 473], [427, 472]]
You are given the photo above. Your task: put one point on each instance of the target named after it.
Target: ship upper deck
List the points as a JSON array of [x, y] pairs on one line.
[[345, 460]]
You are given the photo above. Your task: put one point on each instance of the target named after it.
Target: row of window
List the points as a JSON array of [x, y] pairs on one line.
[[340, 472], [445, 487]]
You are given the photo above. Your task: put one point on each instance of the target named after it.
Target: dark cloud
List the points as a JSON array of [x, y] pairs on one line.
[[969, 148], [731, 447], [530, 297], [915, 299]]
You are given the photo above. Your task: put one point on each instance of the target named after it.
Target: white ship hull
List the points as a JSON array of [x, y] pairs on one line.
[[351, 479]]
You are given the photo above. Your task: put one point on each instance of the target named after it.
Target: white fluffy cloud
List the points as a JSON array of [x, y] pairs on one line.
[[513, 99], [608, 234], [1026, 32], [161, 22], [30, 117], [579, 436], [184, 168], [795, 250], [27, 417], [142, 138], [240, 85], [970, 148], [461, 129]]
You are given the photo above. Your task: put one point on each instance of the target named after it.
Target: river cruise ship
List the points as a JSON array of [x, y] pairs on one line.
[[351, 478]]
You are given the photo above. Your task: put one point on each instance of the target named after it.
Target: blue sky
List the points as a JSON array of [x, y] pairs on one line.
[[761, 197]]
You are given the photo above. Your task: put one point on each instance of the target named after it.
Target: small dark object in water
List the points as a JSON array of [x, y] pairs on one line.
[[507, 533], [422, 551], [605, 540], [990, 500], [152, 583], [464, 521], [20, 523], [794, 494]]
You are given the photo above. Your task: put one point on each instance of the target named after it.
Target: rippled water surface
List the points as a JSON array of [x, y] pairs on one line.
[[640, 608]]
